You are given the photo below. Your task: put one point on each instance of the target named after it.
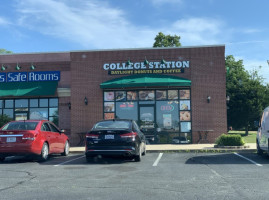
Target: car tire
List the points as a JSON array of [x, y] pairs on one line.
[[66, 148], [145, 151], [137, 158], [259, 150], [44, 152], [2, 159]]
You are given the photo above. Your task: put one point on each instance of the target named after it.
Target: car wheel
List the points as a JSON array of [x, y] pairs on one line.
[[66, 148], [137, 158], [145, 151], [2, 159], [259, 150], [44, 152]]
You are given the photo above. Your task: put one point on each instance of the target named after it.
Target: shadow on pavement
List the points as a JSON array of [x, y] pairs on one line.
[[222, 159]]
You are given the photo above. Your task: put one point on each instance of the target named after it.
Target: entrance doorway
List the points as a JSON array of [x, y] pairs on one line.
[[21, 116], [147, 122]]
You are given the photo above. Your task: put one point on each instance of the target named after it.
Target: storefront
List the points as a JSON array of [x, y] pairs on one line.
[[173, 93]]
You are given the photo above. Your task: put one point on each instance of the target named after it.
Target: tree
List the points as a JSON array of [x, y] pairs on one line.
[[162, 40], [3, 51], [248, 95]]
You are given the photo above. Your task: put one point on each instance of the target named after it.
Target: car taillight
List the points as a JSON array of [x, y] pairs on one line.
[[92, 136], [28, 137], [129, 135]]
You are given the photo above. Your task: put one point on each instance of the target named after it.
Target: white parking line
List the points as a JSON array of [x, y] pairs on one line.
[[68, 161], [157, 160], [248, 160]]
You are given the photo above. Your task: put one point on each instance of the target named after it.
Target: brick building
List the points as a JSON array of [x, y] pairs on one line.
[[174, 94]]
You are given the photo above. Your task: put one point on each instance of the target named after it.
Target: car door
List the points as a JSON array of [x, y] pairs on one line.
[[46, 131], [142, 137], [59, 139]]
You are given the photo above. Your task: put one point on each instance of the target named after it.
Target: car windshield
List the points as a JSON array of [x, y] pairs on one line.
[[20, 126], [113, 125]]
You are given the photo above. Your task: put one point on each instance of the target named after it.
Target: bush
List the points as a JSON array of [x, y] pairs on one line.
[[4, 119], [230, 140]]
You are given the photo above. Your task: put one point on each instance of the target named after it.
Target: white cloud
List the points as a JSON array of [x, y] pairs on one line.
[[199, 30], [3, 21], [96, 24]]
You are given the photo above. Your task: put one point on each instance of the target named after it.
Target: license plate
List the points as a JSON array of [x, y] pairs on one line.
[[109, 137], [11, 139]]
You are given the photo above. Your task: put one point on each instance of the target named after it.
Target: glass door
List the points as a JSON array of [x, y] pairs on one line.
[[21, 115], [147, 122]]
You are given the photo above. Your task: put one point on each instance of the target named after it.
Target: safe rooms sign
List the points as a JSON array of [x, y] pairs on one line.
[[30, 76], [169, 67]]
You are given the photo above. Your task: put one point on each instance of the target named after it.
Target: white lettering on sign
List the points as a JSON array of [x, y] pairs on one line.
[[151, 65], [30, 76], [17, 77], [2, 77]]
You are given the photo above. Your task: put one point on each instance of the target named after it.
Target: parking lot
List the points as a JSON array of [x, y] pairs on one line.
[[157, 176]]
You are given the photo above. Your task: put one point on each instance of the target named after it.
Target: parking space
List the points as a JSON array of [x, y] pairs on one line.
[[158, 175]]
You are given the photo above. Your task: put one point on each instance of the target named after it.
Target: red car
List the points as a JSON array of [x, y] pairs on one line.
[[32, 137]]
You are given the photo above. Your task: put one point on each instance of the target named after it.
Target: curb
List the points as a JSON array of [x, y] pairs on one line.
[[215, 150]]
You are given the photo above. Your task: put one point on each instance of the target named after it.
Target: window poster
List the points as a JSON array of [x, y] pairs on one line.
[[172, 94], [109, 115], [185, 116], [131, 95], [185, 105], [108, 96], [120, 96], [145, 95], [184, 94], [109, 107], [167, 120], [185, 126]]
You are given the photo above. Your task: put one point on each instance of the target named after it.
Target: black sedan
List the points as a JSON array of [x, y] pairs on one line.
[[115, 137]]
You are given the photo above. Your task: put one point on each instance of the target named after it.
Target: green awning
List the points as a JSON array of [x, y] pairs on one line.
[[145, 80], [41, 88]]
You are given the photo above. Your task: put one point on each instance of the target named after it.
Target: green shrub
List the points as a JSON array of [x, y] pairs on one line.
[[230, 140], [4, 119]]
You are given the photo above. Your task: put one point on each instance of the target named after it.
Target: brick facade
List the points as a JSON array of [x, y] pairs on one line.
[[83, 73]]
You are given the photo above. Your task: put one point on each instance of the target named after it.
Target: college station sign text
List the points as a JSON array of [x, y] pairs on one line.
[[30, 76], [170, 67]]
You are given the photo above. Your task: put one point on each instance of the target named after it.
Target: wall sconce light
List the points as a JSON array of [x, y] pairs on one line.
[[32, 67], [69, 106], [208, 99], [146, 62], [3, 68], [18, 67], [227, 99], [86, 101], [163, 61]]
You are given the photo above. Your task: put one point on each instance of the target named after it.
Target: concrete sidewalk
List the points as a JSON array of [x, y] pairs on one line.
[[249, 147]]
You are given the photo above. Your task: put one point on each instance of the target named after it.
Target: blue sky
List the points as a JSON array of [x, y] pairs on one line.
[[66, 25]]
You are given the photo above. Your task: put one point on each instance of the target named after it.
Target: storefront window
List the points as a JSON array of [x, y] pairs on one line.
[[164, 115], [33, 103], [31, 109], [8, 112], [53, 102], [167, 115], [127, 110], [43, 102], [8, 103], [19, 103], [38, 113]]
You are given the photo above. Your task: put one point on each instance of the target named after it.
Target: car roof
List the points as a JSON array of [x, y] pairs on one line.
[[30, 121], [129, 120]]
